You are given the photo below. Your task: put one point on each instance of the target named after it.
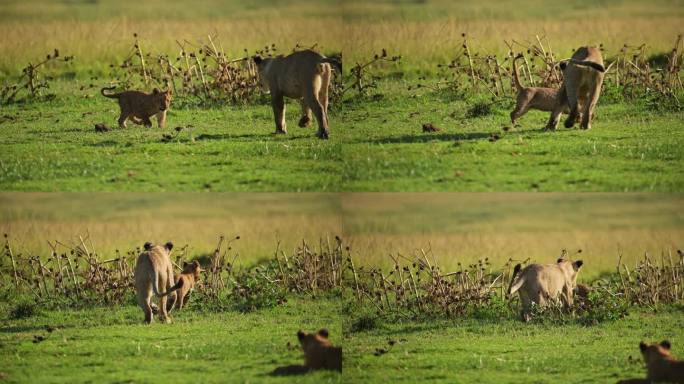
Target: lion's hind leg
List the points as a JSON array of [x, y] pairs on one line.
[[522, 107], [311, 99], [306, 115], [144, 296], [591, 102]]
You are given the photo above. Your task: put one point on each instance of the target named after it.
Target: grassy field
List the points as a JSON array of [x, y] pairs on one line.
[[457, 227], [113, 345], [629, 148], [376, 142], [53, 146], [463, 228], [125, 221], [506, 351], [425, 32]]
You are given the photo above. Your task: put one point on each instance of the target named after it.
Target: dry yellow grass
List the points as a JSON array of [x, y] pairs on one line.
[[124, 220], [462, 227]]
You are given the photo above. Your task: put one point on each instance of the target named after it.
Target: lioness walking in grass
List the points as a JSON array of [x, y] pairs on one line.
[[303, 75]]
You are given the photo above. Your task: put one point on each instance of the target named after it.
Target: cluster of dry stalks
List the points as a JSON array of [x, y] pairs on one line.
[[361, 78], [652, 282], [198, 70], [416, 286], [75, 274], [631, 70], [32, 80], [202, 71]]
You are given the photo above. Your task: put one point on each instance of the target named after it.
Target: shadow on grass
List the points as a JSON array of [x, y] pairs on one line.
[[424, 138], [290, 370], [254, 136]]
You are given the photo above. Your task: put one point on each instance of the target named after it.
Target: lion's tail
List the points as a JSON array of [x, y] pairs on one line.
[[516, 75], [590, 64], [515, 283], [110, 95], [176, 287], [155, 286], [337, 63]]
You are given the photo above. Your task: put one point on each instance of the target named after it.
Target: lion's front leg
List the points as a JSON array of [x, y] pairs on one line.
[[278, 103], [161, 119]]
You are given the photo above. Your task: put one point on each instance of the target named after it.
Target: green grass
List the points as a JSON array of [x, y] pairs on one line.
[[113, 345], [53, 146], [508, 351], [629, 148]]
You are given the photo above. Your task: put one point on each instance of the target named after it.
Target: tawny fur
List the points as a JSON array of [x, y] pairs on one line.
[[139, 106], [319, 353], [661, 366], [540, 98], [581, 88], [303, 75], [185, 282], [154, 275], [543, 283]]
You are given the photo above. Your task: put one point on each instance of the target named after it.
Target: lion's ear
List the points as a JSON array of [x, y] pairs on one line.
[[577, 264], [323, 333], [642, 346], [665, 344], [257, 59], [147, 246], [559, 260], [168, 246], [300, 334], [155, 91], [185, 264]]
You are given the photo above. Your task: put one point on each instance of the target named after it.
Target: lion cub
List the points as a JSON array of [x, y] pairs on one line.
[[540, 98], [303, 75], [540, 283], [186, 282], [319, 352], [153, 271], [139, 106]]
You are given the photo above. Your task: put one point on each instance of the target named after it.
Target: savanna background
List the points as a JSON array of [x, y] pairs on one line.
[[65, 325]]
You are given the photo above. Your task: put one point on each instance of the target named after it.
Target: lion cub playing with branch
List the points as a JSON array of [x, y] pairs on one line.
[[540, 98], [139, 106]]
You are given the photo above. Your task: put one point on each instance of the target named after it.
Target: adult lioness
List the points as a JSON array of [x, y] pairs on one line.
[[153, 271], [303, 75], [139, 106], [582, 79], [661, 366], [540, 283]]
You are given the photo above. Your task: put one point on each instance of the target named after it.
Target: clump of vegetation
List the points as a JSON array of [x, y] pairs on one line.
[[631, 72], [416, 288], [74, 275], [200, 74], [32, 81], [362, 79]]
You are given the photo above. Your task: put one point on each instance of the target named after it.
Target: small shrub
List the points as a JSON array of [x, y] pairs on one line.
[[479, 109], [24, 310]]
